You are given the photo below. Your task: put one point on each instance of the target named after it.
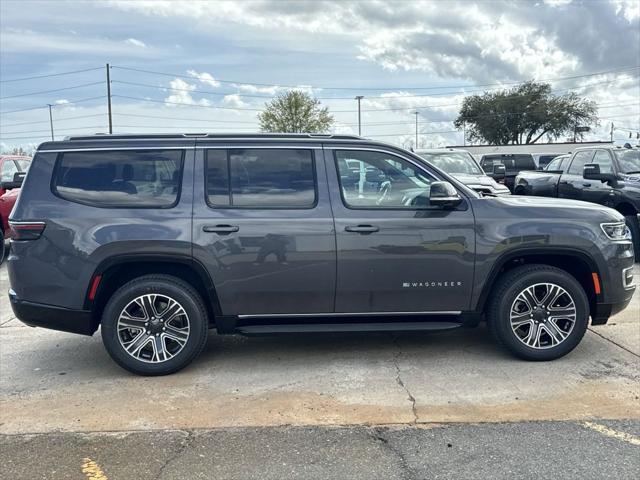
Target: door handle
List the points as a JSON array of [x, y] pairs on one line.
[[586, 184], [563, 182], [220, 229], [364, 229]]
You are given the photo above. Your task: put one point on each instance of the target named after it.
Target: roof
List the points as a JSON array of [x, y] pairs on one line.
[[151, 136], [439, 150]]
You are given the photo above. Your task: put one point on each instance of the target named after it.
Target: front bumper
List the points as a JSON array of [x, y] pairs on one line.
[[49, 316]]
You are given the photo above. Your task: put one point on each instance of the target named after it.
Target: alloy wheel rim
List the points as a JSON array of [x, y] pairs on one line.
[[542, 315], [153, 328]]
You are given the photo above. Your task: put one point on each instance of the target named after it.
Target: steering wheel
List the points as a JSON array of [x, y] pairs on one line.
[[384, 191]]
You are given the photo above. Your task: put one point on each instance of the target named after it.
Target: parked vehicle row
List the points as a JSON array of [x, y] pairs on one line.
[[12, 171], [156, 238], [607, 176]]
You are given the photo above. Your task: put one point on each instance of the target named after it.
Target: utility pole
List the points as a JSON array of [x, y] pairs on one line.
[[416, 114], [109, 99], [464, 133], [611, 132], [50, 120], [358, 98]]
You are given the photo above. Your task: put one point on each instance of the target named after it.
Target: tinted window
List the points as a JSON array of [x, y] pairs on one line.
[[261, 178], [380, 180], [453, 162], [512, 162], [9, 168], [579, 161], [603, 159], [545, 159], [144, 178]]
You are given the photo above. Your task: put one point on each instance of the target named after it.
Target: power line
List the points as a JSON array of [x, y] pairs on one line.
[[209, 92], [180, 118], [57, 120], [55, 105], [187, 104], [50, 75], [51, 91], [236, 82]]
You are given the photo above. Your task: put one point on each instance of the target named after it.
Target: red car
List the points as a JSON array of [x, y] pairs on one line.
[[9, 166]]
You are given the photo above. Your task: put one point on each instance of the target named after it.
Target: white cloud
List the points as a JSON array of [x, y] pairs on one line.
[[254, 89], [135, 42], [62, 101], [205, 78], [181, 94], [233, 100]]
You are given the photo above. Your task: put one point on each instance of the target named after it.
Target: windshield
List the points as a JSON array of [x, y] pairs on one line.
[[629, 161], [453, 162]]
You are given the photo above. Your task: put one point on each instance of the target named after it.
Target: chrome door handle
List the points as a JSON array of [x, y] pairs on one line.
[[220, 229], [364, 229]]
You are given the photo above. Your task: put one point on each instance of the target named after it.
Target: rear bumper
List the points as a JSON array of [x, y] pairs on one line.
[[49, 316]]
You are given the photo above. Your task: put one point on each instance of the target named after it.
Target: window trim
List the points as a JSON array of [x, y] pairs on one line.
[[462, 205], [227, 149], [56, 167]]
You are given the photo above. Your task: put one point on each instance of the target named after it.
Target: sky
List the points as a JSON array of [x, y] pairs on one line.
[[205, 66]]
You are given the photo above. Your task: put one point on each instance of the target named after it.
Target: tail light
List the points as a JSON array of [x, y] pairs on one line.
[[26, 230]]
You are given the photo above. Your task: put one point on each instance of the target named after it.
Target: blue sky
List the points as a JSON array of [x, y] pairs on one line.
[[401, 56]]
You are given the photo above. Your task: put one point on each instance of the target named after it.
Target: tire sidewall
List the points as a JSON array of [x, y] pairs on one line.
[[503, 324], [197, 326]]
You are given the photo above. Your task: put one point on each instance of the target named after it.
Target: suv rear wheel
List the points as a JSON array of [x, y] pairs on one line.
[[154, 325], [538, 312]]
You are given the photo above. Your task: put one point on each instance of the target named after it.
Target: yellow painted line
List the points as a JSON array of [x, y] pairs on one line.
[[92, 470], [610, 432]]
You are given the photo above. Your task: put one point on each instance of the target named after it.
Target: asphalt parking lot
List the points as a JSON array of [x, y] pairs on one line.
[[438, 405]]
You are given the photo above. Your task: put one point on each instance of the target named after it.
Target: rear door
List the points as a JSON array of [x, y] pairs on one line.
[[262, 227], [572, 184], [395, 252]]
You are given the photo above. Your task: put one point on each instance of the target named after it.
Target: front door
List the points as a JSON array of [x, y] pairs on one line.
[[263, 228], [572, 184], [396, 253]]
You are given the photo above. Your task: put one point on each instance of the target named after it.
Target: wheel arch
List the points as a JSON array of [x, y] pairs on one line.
[[118, 270], [625, 208], [573, 261]]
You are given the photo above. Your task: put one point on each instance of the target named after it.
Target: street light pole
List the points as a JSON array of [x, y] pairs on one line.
[[416, 114], [358, 98], [50, 120]]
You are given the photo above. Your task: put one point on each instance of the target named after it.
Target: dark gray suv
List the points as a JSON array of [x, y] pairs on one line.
[[157, 238]]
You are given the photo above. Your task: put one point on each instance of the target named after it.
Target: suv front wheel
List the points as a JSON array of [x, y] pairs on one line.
[[154, 325], [538, 312]]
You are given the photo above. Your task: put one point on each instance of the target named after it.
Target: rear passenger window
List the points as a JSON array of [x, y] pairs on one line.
[[119, 178], [260, 178]]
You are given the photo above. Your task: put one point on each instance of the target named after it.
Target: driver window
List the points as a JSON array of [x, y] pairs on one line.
[[8, 170], [381, 180], [603, 159]]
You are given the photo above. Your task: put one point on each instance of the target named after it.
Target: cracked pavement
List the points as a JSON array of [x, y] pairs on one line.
[[321, 406]]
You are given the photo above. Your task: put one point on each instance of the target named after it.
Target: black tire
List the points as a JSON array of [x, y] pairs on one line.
[[504, 295], [634, 225], [167, 287]]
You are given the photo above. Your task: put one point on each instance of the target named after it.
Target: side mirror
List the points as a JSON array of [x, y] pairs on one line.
[[499, 171], [18, 178], [591, 171], [443, 194]]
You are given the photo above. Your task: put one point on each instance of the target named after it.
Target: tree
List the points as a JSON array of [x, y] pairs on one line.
[[295, 112], [524, 114]]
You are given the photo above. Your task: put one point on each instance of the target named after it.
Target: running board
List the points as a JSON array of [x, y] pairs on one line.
[[345, 327]]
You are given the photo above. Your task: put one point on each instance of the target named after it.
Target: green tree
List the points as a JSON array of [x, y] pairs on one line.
[[524, 114], [295, 112]]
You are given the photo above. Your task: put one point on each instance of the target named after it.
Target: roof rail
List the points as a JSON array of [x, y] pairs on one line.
[[117, 136]]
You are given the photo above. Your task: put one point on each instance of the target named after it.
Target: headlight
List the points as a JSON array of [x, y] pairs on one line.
[[616, 231]]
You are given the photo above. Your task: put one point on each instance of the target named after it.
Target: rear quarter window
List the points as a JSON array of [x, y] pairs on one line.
[[120, 178]]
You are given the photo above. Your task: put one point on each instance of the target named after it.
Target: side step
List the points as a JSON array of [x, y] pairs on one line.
[[345, 327]]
